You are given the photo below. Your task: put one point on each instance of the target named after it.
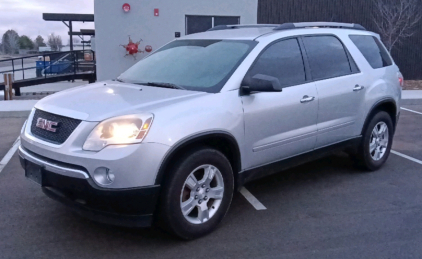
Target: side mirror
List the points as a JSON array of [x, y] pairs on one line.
[[261, 83]]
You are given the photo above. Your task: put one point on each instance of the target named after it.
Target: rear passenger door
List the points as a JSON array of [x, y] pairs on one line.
[[279, 125], [340, 88]]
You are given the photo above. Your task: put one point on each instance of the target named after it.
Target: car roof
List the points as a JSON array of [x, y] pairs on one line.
[[232, 34], [253, 32]]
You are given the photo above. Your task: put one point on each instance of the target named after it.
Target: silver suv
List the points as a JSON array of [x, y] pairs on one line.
[[174, 136]]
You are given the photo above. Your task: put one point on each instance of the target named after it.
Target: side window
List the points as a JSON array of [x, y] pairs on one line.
[[327, 57], [373, 50], [282, 60]]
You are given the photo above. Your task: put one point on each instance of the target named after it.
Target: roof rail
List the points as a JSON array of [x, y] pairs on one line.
[[242, 26], [289, 26]]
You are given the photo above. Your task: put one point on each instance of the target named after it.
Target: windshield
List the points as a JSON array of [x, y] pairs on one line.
[[198, 65]]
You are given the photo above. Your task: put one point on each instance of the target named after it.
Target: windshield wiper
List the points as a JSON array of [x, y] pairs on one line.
[[165, 85], [120, 80]]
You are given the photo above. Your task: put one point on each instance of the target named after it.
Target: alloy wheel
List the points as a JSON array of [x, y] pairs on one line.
[[379, 141], [202, 194]]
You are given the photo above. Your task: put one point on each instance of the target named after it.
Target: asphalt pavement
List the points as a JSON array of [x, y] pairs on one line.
[[324, 209]]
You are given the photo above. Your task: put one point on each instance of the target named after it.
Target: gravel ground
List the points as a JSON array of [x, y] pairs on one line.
[[412, 85]]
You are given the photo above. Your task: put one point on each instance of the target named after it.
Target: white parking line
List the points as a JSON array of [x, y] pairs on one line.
[[407, 157], [9, 154], [411, 111], [252, 200]]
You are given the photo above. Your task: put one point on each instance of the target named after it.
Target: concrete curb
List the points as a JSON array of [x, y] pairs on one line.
[[14, 114], [411, 102], [43, 93], [37, 93]]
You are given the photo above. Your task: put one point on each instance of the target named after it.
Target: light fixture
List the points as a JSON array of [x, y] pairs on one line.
[[126, 7]]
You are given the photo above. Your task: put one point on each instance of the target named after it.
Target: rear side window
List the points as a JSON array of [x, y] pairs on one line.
[[372, 49], [282, 60], [327, 57]]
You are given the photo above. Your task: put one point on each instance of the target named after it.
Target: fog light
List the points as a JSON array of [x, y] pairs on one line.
[[103, 176]]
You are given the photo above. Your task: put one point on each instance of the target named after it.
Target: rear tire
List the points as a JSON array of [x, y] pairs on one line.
[[196, 194], [376, 143]]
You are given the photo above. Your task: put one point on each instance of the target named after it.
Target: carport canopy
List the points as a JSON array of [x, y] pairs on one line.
[[69, 17]]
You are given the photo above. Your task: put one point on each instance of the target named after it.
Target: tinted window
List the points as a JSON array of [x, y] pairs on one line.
[[327, 57], [372, 50], [282, 60]]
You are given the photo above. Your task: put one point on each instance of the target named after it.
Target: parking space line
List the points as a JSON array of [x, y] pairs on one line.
[[9, 154], [252, 200], [411, 110], [407, 157]]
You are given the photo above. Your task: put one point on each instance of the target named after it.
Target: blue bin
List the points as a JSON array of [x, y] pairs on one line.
[[42, 64], [55, 68], [59, 67]]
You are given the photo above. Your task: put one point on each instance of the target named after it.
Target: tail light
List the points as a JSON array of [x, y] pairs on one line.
[[401, 80]]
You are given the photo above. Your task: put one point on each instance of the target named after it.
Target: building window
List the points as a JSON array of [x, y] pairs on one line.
[[201, 23]]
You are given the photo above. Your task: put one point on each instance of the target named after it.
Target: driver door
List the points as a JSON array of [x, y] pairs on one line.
[[279, 125]]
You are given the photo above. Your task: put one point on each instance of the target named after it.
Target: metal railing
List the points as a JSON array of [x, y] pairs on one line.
[[36, 69]]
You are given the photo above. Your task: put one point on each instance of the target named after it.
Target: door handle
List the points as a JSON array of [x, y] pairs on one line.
[[358, 88], [307, 99]]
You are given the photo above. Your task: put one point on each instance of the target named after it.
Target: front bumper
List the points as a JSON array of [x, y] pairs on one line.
[[133, 207], [134, 165]]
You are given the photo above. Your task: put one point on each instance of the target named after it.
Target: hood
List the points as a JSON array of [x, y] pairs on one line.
[[100, 101]]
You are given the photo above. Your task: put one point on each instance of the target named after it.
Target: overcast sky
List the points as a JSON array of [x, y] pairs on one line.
[[25, 16]]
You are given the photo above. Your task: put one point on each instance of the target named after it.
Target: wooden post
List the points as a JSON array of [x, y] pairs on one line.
[[6, 87], [10, 86]]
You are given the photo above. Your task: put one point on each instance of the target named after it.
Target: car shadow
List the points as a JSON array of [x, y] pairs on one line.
[[327, 171]]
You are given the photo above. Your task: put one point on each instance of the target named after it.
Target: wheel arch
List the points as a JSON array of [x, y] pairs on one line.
[[220, 140], [388, 105]]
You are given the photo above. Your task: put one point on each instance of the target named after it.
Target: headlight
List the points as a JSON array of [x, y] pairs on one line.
[[122, 130]]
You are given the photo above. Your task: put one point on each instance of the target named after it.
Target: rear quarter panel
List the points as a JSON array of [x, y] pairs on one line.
[[381, 84]]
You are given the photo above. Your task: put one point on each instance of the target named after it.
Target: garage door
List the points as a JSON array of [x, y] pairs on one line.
[[200, 23]]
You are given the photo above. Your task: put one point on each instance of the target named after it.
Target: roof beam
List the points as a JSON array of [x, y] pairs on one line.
[[83, 33], [58, 17]]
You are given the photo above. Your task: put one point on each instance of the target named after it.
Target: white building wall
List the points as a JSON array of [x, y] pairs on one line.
[[112, 26]]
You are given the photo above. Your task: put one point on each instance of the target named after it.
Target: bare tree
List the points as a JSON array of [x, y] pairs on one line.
[[10, 41], [13, 42], [396, 19], [39, 42], [55, 42]]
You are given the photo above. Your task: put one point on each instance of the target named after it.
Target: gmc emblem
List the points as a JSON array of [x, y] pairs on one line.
[[46, 124]]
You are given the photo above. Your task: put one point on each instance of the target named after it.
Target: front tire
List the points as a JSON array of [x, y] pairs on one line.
[[376, 142], [197, 193]]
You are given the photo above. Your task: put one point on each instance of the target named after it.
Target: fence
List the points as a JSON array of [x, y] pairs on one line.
[[50, 67]]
